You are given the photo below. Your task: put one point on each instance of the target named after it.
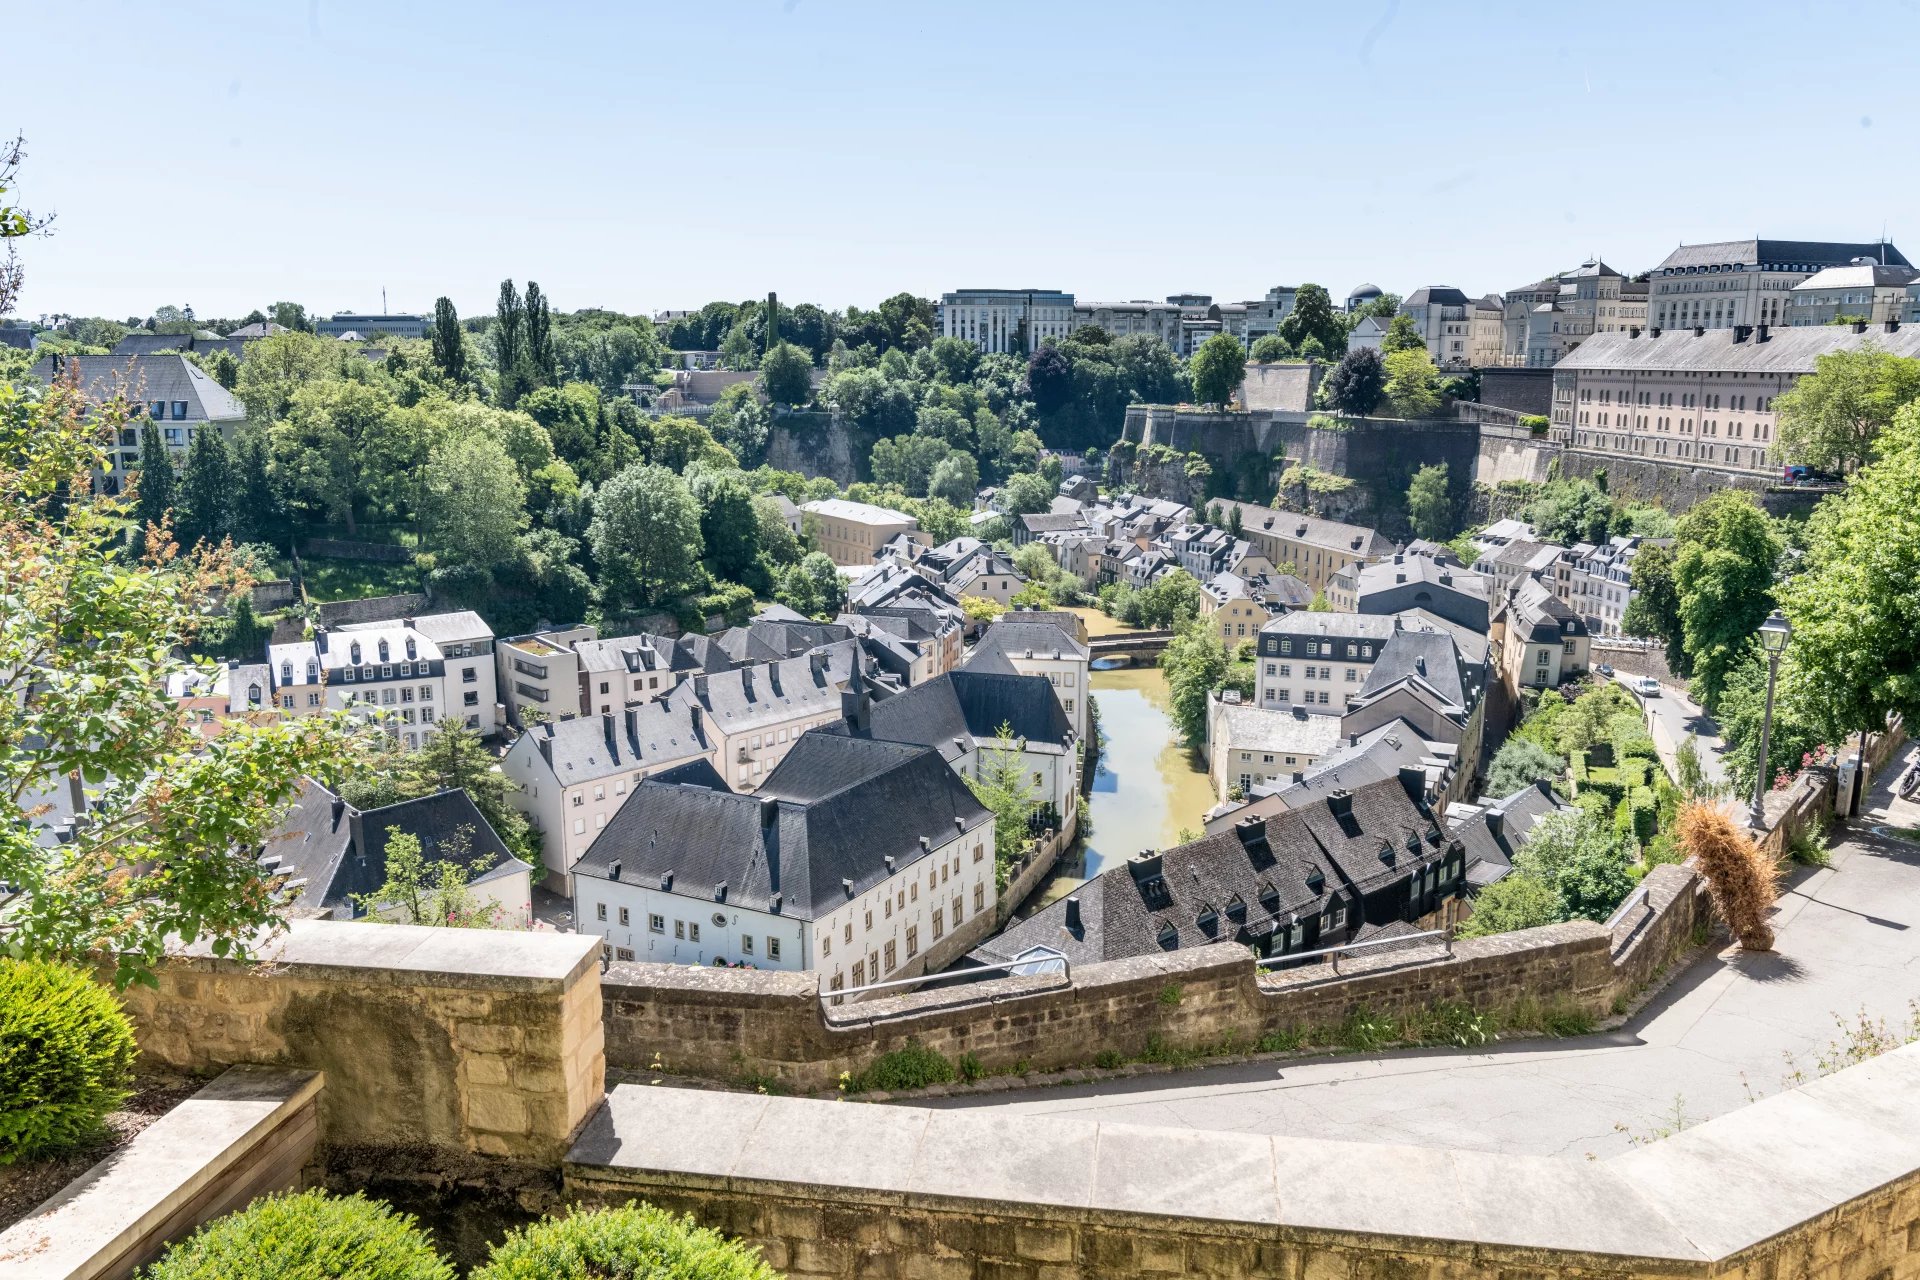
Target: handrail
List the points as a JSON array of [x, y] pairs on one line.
[[1356, 946], [1066, 971]]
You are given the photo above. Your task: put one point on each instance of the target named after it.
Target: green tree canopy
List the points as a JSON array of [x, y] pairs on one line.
[[1723, 574], [1195, 663], [473, 504], [1217, 368], [1401, 335], [787, 374], [1356, 384], [1314, 319], [1430, 503], [1832, 419], [646, 536], [1413, 384]]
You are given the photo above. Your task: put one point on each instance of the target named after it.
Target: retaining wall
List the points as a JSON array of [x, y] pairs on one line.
[[752, 1025], [484, 1041]]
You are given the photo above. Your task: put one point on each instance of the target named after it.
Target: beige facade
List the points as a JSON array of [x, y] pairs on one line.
[[1733, 282], [1867, 292], [852, 533], [1703, 398], [1310, 548]]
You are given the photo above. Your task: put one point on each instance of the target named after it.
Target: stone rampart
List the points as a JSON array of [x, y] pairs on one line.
[[746, 1025], [1819, 1183], [482, 1041]]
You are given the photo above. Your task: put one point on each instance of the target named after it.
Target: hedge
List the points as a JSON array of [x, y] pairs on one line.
[[636, 1242], [310, 1236], [66, 1058]]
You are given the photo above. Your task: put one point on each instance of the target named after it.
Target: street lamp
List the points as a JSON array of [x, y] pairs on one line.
[[1774, 634]]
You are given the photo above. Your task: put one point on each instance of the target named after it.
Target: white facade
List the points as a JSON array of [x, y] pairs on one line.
[[417, 673], [1317, 661], [992, 319]]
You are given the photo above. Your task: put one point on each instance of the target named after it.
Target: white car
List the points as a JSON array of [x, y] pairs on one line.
[[1647, 687]]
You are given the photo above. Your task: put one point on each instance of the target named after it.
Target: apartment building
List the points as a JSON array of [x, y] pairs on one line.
[[1237, 606], [1443, 317], [969, 567], [1701, 396], [416, 672], [1592, 298], [1486, 331], [1411, 581], [1248, 744], [1747, 282], [211, 700], [859, 860], [573, 775], [162, 386], [1308, 547], [1317, 660], [1865, 291], [1003, 320], [1014, 646], [1542, 642], [1599, 584], [753, 716], [855, 533], [1124, 319]]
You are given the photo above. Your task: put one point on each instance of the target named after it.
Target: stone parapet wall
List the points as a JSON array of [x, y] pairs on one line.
[[771, 1027], [484, 1041], [1821, 1183]]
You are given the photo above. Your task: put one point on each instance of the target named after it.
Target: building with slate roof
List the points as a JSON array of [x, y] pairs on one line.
[[174, 393], [969, 567], [1867, 291], [1311, 548], [860, 860], [962, 713], [1356, 761], [1443, 317], [214, 699], [1249, 744], [328, 854], [1701, 396], [1747, 282], [852, 533], [417, 672], [574, 774], [1039, 648], [754, 715], [1355, 862], [1542, 642], [1407, 581], [1493, 831]]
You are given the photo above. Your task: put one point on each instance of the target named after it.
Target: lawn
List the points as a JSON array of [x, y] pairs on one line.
[[328, 579]]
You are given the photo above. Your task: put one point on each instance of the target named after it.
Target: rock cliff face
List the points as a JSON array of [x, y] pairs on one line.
[[818, 444]]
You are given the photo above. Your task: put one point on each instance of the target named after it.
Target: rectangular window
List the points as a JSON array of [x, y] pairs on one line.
[[890, 960], [579, 826], [746, 944], [600, 910], [939, 922], [623, 916], [693, 931], [773, 948], [656, 923], [680, 930], [980, 897]]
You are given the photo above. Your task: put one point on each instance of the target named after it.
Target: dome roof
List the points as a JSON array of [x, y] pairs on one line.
[[1365, 291]]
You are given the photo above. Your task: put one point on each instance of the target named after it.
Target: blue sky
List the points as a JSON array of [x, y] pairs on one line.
[[641, 157]]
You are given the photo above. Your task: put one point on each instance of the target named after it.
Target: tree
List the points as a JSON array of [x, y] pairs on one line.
[[279, 365], [451, 758], [1791, 737], [1654, 611], [340, 445], [1356, 384], [510, 345], [1313, 317], [473, 504], [736, 349], [259, 508], [542, 368], [1578, 854], [224, 369], [729, 524], [813, 587], [1005, 788], [1026, 494], [15, 222], [1171, 601], [1855, 604], [1832, 419], [741, 424], [1401, 335], [1195, 663], [155, 487], [207, 490], [907, 461], [1217, 368], [1723, 575], [436, 892], [870, 403], [1575, 510], [955, 478], [954, 359], [787, 375], [449, 342], [167, 852], [646, 536], [1413, 384], [1270, 348], [1519, 763], [1319, 603], [1513, 902], [291, 315], [1049, 379], [1382, 306], [1430, 503]]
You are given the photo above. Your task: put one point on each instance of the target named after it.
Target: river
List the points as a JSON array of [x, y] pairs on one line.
[[1146, 788]]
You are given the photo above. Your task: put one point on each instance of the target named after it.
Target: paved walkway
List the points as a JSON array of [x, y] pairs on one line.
[[1847, 942], [1671, 718]]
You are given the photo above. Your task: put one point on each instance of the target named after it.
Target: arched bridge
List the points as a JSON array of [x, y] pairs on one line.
[[1130, 644]]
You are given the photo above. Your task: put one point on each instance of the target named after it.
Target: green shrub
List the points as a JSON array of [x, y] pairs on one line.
[[1170, 994], [970, 1068], [1108, 1059], [1646, 814], [310, 1236], [1567, 1022], [914, 1067], [66, 1058], [1285, 1041], [635, 1242], [1364, 1030]]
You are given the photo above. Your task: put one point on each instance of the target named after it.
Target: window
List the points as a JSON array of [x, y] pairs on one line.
[[656, 923], [603, 686], [179, 409], [426, 693], [939, 922], [600, 910], [980, 897], [826, 943], [977, 855], [773, 948], [846, 933], [913, 941], [578, 799], [746, 944], [680, 930], [890, 960], [956, 911], [579, 826], [600, 793], [888, 912], [470, 700], [693, 931], [623, 916]]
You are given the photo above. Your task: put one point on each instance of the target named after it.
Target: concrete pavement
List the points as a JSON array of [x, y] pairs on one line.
[[1671, 718], [1727, 1029]]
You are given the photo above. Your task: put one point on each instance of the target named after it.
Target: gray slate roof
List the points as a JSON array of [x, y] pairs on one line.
[[1494, 830], [1009, 638], [165, 375], [954, 712], [585, 748], [1788, 352], [829, 813], [1812, 253]]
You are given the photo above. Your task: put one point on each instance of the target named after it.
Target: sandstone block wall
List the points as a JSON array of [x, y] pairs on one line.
[[485, 1041]]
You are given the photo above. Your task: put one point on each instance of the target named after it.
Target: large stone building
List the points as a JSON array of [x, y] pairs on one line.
[[1865, 291], [1310, 548], [998, 320], [1701, 397], [854, 533], [1543, 643], [859, 860], [1750, 282], [417, 673], [1443, 317], [1545, 320], [163, 387]]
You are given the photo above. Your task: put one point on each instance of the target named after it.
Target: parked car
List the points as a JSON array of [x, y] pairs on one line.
[[1604, 669], [1647, 687]]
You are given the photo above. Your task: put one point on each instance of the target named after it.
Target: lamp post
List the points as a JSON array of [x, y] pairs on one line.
[[1774, 634]]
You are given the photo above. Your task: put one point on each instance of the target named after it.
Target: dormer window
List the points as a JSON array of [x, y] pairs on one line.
[[384, 655], [1315, 881], [1208, 919], [1236, 908], [1168, 937], [1269, 899], [353, 653], [313, 672], [412, 649], [286, 673]]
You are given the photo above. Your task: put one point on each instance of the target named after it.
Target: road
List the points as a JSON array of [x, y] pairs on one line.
[[1673, 717], [1725, 1027]]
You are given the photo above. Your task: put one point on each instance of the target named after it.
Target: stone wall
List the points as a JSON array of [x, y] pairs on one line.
[[818, 444], [765, 1026], [487, 1042], [1819, 1183]]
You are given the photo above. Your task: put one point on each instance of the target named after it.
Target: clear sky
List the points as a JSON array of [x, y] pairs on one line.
[[638, 157]]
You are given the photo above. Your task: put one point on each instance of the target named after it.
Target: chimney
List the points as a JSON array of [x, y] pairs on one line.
[[769, 811], [700, 688], [1413, 780], [1496, 822], [1760, 333], [613, 870], [1353, 739], [1340, 803], [1859, 326], [1741, 332], [1144, 865], [1399, 577], [818, 661], [1892, 326], [888, 859], [1633, 331], [1073, 913], [608, 732], [1546, 787], [1399, 556], [1653, 331], [666, 879], [1699, 331], [631, 718], [926, 844]]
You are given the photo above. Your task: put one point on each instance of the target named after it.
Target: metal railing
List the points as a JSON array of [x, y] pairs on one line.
[[1337, 952], [1065, 971]]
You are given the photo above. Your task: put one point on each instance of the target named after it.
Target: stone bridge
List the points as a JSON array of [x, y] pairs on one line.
[[1131, 644]]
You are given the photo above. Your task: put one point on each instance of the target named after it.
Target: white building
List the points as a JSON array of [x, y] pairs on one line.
[[417, 672], [1750, 282], [997, 320], [859, 860], [1864, 291], [1248, 744]]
